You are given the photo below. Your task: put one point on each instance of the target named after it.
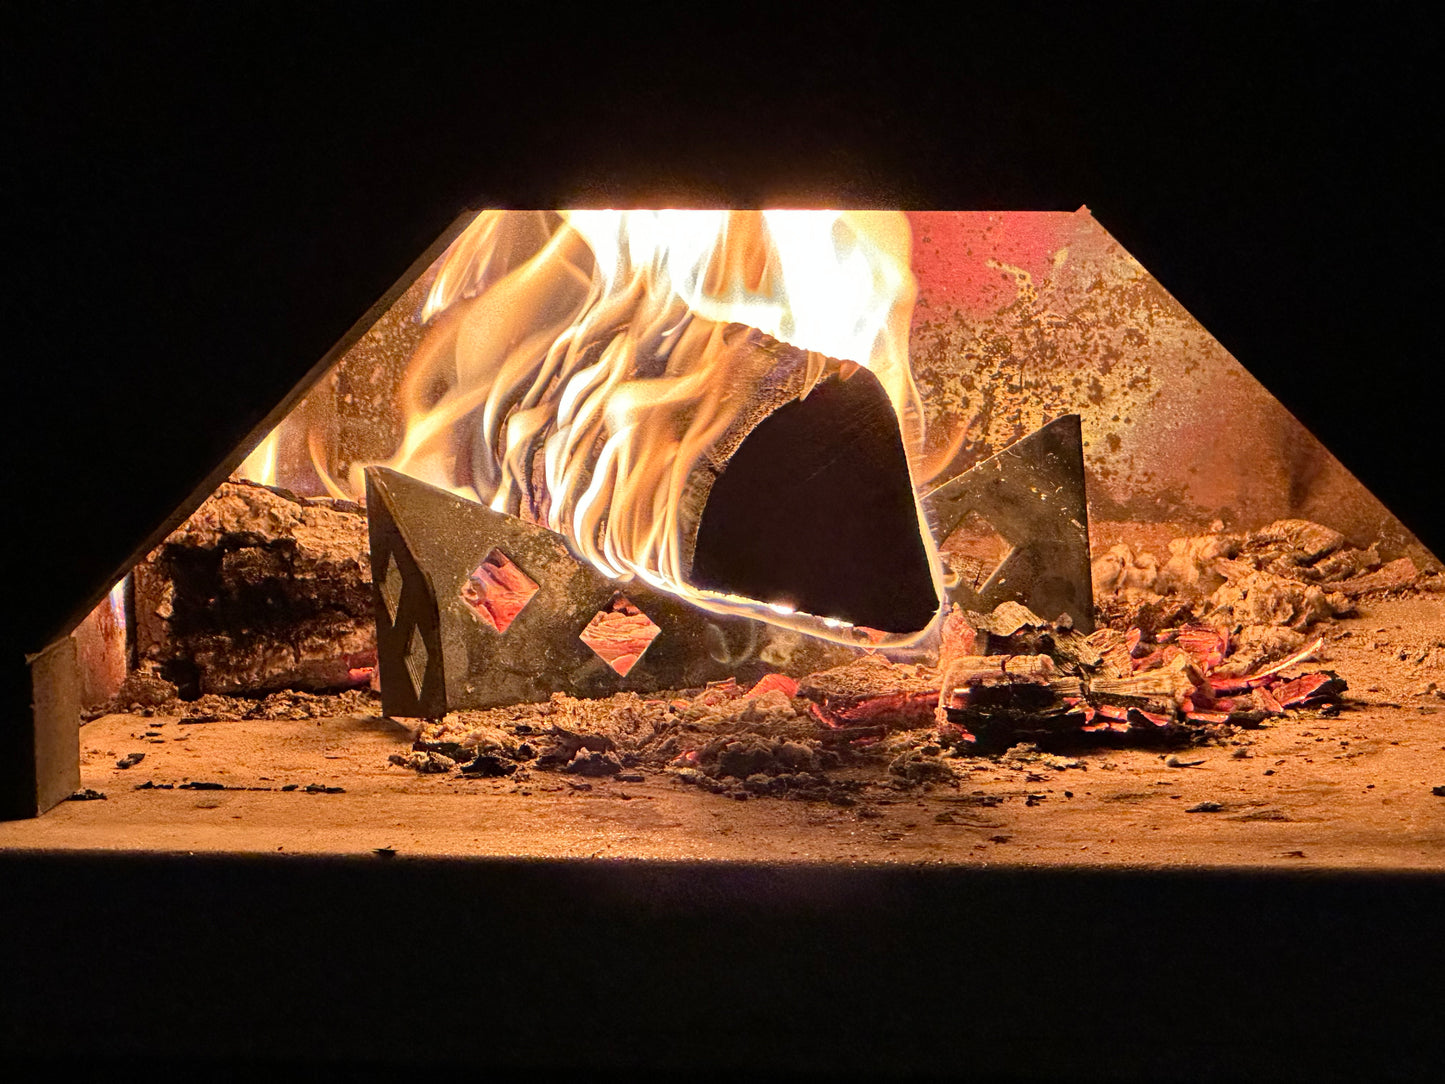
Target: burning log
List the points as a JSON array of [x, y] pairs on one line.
[[646, 386], [259, 591], [1205, 644], [991, 718], [964, 674], [812, 505], [1172, 681], [871, 690], [1143, 684], [1112, 647], [1008, 619]]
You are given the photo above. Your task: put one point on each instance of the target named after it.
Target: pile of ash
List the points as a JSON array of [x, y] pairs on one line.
[[1287, 576], [1008, 685], [149, 695], [756, 740]]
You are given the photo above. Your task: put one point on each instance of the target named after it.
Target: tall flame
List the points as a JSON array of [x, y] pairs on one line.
[[580, 367]]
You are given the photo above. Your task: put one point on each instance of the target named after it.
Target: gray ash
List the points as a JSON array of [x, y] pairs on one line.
[[153, 697]]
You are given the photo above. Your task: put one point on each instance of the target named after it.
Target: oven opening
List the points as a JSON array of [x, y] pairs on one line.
[[925, 536]]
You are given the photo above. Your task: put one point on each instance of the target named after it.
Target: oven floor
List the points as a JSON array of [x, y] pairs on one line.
[[1351, 792]]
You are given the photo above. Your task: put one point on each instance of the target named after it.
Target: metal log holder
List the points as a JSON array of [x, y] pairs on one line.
[[1031, 493], [443, 645]]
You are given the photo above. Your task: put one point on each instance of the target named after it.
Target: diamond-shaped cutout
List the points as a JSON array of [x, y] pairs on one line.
[[974, 551], [416, 659], [391, 587], [497, 590], [619, 634]]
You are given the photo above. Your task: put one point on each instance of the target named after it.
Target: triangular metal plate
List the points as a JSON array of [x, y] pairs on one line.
[[1031, 493], [437, 539]]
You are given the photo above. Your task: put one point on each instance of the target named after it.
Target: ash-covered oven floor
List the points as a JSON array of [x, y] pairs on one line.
[[1353, 791]]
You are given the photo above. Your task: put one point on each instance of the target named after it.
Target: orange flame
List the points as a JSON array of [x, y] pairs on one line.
[[580, 366], [260, 465]]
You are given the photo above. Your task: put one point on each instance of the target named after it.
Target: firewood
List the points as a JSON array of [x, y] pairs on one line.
[[1008, 618], [965, 671], [867, 678], [1205, 644], [807, 499], [1067, 687], [258, 591], [1112, 646], [1074, 651]]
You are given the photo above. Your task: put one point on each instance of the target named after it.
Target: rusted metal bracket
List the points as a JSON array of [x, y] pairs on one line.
[[1032, 494], [40, 762], [441, 649]]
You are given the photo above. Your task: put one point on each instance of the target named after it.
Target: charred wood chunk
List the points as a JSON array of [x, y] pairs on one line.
[[1397, 574], [258, 591], [815, 510]]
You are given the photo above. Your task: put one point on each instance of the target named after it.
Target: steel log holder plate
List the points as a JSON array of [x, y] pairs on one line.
[[437, 652], [446, 643], [1032, 494]]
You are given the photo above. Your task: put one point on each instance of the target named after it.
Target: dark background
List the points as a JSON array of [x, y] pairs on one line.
[[198, 206]]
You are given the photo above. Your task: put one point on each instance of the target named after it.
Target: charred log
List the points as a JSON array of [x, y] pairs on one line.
[[258, 591]]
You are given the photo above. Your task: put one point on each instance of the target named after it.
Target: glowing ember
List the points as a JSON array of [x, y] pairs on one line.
[[497, 591], [620, 634], [975, 550]]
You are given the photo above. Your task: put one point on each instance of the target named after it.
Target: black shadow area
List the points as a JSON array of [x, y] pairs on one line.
[[552, 966]]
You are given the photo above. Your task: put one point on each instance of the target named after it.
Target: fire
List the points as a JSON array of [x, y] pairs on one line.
[[260, 465], [295, 453], [579, 367]]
